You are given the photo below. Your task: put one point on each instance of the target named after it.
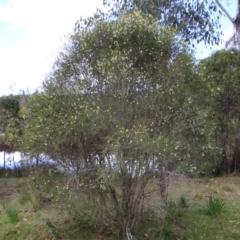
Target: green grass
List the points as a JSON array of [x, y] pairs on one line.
[[187, 215], [12, 214], [183, 202], [215, 206], [197, 224], [223, 204]]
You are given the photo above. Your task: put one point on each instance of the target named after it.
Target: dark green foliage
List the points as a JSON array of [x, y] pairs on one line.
[[183, 202], [10, 123], [220, 74], [167, 233], [12, 214], [215, 206], [11, 106]]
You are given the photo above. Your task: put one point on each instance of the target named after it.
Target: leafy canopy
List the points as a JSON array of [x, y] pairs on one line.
[[114, 105], [195, 20], [220, 74]]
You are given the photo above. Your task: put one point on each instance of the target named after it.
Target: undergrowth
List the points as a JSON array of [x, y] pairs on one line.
[[215, 206], [12, 214], [62, 211]]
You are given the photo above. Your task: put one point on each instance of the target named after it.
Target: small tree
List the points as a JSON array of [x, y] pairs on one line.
[[114, 105]]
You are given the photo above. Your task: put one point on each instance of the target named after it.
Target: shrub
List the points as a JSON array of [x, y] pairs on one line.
[[183, 202], [215, 206], [13, 215]]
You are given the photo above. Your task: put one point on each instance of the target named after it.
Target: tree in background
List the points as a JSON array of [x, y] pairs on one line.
[[221, 75], [235, 39], [195, 21], [10, 120], [236, 24], [9, 124]]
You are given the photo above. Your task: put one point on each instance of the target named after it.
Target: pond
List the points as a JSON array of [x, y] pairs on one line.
[[17, 160], [12, 159]]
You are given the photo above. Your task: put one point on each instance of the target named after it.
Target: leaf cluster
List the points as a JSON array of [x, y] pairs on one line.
[[195, 21]]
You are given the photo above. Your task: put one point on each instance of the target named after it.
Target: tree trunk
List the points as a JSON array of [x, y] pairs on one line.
[[163, 185], [4, 163], [37, 161], [224, 163], [236, 155], [237, 26], [235, 22]]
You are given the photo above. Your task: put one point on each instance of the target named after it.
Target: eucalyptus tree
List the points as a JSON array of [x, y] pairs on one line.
[[113, 108], [235, 39], [195, 20]]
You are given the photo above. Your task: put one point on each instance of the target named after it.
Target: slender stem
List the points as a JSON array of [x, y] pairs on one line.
[[225, 11]]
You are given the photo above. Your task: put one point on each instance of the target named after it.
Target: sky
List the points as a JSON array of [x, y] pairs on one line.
[[32, 32]]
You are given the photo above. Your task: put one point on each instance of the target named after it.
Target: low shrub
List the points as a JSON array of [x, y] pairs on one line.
[[215, 206], [183, 202], [12, 215]]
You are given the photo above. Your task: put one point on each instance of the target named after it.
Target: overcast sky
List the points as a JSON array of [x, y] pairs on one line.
[[31, 32]]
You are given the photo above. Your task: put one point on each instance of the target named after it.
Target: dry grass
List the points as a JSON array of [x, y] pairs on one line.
[[193, 221], [201, 189], [192, 218]]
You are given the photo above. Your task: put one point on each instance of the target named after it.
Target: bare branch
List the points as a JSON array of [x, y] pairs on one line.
[[225, 11]]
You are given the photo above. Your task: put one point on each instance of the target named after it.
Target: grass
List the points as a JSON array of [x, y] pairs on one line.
[[12, 214], [183, 202], [187, 213], [197, 224], [224, 204], [215, 206]]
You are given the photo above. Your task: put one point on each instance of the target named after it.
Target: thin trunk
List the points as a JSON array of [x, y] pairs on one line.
[[223, 165], [236, 155], [225, 11], [235, 165], [4, 163], [25, 98], [37, 161], [237, 29], [235, 22], [163, 185]]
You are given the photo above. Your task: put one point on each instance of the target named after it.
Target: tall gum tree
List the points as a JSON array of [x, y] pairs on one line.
[[195, 21], [235, 39]]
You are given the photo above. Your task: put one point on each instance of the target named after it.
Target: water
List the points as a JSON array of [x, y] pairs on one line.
[[17, 159], [12, 159]]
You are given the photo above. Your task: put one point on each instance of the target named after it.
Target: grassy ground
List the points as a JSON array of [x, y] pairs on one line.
[[195, 222], [187, 216]]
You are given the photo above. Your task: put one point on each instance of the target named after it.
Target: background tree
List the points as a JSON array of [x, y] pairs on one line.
[[235, 39], [236, 24], [196, 21], [221, 73], [9, 124]]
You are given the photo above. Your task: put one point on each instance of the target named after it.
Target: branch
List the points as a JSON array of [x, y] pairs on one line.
[[24, 95], [225, 11]]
